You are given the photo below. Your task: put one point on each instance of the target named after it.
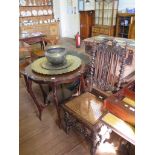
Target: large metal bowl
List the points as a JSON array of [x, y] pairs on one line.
[[56, 55]]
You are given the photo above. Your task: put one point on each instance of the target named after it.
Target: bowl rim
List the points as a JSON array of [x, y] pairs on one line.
[[50, 51], [53, 47]]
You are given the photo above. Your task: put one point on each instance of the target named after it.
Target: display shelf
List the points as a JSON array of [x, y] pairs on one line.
[[34, 16], [35, 6], [37, 16]]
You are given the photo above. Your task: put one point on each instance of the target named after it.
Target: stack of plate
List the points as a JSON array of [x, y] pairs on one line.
[[34, 12]]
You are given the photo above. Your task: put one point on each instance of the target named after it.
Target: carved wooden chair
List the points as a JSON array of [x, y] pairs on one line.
[[84, 112], [112, 61]]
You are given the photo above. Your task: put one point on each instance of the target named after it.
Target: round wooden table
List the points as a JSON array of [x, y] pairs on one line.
[[53, 82]]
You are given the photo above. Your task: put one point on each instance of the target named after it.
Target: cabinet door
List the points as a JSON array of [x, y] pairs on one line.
[[83, 24], [132, 29], [86, 23]]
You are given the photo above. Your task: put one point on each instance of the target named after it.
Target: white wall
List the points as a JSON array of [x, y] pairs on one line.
[[70, 24], [123, 4], [56, 9]]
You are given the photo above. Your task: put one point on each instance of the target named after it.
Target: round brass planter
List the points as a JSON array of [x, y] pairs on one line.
[[41, 66]]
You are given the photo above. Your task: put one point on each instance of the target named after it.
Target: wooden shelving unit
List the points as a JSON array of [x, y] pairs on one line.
[[37, 16]]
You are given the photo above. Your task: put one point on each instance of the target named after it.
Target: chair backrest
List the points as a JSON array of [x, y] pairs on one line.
[[108, 60]]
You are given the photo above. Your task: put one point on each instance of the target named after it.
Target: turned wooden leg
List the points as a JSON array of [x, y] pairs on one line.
[[43, 45], [122, 68]]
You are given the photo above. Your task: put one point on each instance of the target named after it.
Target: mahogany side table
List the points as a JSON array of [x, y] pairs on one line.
[[53, 81]]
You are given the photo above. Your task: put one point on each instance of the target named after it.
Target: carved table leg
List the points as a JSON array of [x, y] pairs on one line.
[[62, 91], [26, 82], [30, 91], [57, 104], [44, 94], [82, 84]]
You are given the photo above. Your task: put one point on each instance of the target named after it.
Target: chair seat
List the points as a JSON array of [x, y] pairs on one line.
[[83, 113], [87, 107]]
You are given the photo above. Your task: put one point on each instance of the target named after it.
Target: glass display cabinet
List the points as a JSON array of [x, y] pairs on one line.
[[105, 17], [86, 5]]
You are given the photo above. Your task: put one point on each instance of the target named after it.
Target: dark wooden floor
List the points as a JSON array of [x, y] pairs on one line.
[[44, 137]]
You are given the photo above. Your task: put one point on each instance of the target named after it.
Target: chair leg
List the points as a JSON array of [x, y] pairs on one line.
[[67, 123], [93, 145]]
